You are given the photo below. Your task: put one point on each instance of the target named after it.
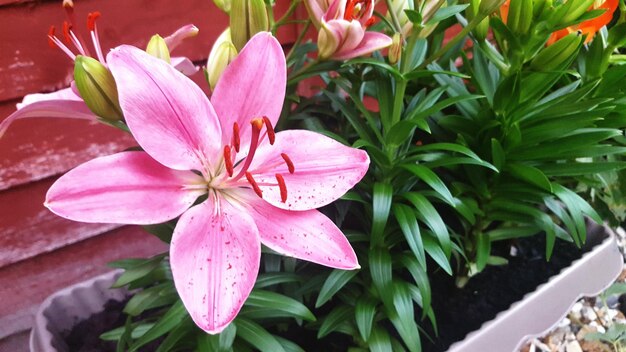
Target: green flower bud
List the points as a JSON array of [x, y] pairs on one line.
[[223, 5], [97, 87], [395, 50], [247, 18], [558, 55], [222, 54], [158, 48], [520, 16], [487, 7]]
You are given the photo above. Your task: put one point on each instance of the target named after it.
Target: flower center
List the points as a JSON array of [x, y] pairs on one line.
[[358, 10], [261, 128]]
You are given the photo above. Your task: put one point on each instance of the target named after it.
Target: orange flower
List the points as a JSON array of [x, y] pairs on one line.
[[591, 26], [504, 11]]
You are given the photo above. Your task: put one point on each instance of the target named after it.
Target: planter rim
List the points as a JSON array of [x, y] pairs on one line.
[[42, 338], [542, 309]]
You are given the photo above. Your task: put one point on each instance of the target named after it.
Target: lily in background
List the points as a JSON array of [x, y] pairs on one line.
[[68, 103], [342, 28], [592, 26], [260, 186]]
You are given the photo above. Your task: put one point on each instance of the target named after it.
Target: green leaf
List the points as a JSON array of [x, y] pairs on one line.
[[581, 168], [337, 317], [421, 280], [419, 73], [177, 334], [445, 12], [138, 271], [529, 174], [380, 341], [410, 228], [376, 63], [275, 278], [257, 336], [174, 317], [498, 156], [430, 178], [413, 16], [381, 204], [364, 313], [352, 117], [151, 297], [429, 215], [381, 271], [276, 301], [402, 317], [222, 342], [434, 251], [335, 281], [289, 346], [483, 251]]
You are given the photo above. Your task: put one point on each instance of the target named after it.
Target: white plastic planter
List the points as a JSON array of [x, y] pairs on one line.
[[61, 311], [541, 310]]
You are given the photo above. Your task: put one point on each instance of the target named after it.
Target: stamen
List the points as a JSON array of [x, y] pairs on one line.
[[282, 187], [270, 130], [54, 41], [50, 36], [254, 185], [236, 140], [257, 124], [68, 6], [290, 166], [91, 20], [93, 31], [348, 14], [370, 22], [228, 161], [67, 27]]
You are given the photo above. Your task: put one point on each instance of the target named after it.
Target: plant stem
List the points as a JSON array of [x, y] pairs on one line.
[[299, 39], [281, 21], [461, 35], [394, 17]]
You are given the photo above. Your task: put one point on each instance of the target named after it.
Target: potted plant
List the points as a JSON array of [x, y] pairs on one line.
[[471, 151]]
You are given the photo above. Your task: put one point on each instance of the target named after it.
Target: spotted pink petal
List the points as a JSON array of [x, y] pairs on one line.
[[307, 235], [370, 42], [60, 104], [252, 86], [124, 188], [168, 114], [214, 256], [324, 169]]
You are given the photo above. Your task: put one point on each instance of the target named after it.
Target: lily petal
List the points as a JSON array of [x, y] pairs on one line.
[[49, 105], [307, 235], [184, 65], [324, 169], [187, 31], [252, 86], [168, 114], [215, 256], [370, 42], [123, 188]]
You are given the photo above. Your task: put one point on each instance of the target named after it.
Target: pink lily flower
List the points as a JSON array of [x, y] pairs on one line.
[[261, 186], [342, 33], [67, 103]]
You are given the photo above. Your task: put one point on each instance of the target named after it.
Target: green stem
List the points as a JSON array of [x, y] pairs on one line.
[[299, 39], [270, 16], [454, 41], [394, 17], [295, 78], [281, 21], [494, 57]]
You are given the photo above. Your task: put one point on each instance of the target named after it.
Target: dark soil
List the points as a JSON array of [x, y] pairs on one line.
[[85, 336], [461, 311]]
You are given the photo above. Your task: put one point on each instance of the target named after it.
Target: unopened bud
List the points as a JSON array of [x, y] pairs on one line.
[[247, 18], [327, 42], [222, 54], [223, 5], [487, 7], [158, 48], [97, 87], [520, 16], [395, 50]]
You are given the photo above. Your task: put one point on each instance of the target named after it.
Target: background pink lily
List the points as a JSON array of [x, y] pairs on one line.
[[342, 28], [67, 103], [261, 186]]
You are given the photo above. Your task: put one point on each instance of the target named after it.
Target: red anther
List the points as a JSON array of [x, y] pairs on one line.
[[370, 22], [67, 27], [236, 143], [50, 36], [91, 20], [270, 130], [290, 166], [418, 143], [348, 15], [282, 187], [252, 183], [257, 123], [228, 161]]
